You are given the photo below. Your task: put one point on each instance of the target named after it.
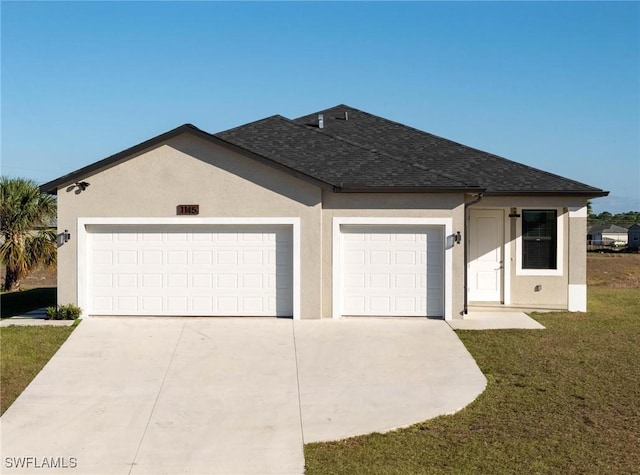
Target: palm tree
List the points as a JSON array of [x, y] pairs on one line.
[[26, 215]]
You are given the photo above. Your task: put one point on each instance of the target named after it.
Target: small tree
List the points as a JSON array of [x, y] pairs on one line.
[[26, 215]]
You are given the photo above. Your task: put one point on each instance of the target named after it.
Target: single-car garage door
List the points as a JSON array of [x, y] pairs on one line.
[[393, 270], [208, 270]]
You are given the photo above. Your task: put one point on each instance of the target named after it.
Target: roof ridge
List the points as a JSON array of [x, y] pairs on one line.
[[280, 159], [322, 111], [374, 150], [274, 116]]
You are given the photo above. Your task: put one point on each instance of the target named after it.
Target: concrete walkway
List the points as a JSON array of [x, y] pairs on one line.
[[496, 320], [224, 396], [34, 318]]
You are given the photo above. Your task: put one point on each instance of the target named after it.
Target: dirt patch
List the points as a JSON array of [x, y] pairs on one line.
[[614, 271], [37, 278]]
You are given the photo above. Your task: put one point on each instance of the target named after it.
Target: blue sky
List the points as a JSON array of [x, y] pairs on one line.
[[553, 85]]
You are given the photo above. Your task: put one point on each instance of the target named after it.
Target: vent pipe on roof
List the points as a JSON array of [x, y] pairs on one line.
[[321, 121], [346, 115]]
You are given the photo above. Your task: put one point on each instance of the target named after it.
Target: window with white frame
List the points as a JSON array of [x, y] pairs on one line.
[[539, 239]]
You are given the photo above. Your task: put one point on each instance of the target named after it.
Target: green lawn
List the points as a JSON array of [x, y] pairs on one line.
[[559, 401], [14, 303], [24, 350]]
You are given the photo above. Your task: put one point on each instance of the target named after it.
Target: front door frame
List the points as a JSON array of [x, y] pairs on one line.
[[505, 281]]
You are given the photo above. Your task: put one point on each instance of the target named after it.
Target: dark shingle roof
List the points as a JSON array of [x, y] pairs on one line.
[[333, 161], [469, 165], [358, 151]]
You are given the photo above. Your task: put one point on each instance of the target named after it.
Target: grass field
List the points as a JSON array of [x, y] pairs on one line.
[[24, 352], [563, 400]]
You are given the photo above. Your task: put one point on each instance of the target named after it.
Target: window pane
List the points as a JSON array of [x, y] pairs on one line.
[[539, 238]]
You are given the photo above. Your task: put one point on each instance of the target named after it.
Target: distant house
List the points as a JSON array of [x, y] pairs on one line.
[[633, 237], [606, 235]]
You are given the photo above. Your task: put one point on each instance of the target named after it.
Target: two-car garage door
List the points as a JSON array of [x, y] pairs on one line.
[[231, 270]]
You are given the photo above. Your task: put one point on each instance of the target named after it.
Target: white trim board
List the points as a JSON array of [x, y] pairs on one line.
[[578, 212], [507, 261], [83, 287], [577, 296], [446, 223]]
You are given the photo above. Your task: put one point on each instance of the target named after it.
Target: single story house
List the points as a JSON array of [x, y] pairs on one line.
[[607, 235], [336, 213], [633, 237]]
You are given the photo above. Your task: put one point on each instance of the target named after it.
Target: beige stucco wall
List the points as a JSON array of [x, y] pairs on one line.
[[577, 244], [153, 183], [554, 290], [391, 205]]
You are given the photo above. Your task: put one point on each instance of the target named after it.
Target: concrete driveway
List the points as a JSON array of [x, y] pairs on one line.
[[223, 396]]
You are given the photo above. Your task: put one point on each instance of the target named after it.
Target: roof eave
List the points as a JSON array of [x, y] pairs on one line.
[[584, 193], [406, 189]]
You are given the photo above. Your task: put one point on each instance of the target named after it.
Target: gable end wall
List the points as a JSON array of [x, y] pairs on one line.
[[189, 170]]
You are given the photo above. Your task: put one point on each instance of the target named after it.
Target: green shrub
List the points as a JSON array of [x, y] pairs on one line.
[[64, 312], [52, 313]]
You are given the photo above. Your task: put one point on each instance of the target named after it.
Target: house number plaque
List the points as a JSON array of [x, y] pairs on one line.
[[190, 210]]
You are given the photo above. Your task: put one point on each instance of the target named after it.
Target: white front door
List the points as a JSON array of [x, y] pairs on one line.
[[485, 242]]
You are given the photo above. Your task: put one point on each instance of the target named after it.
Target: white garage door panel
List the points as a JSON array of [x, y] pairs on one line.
[[393, 270], [211, 270]]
